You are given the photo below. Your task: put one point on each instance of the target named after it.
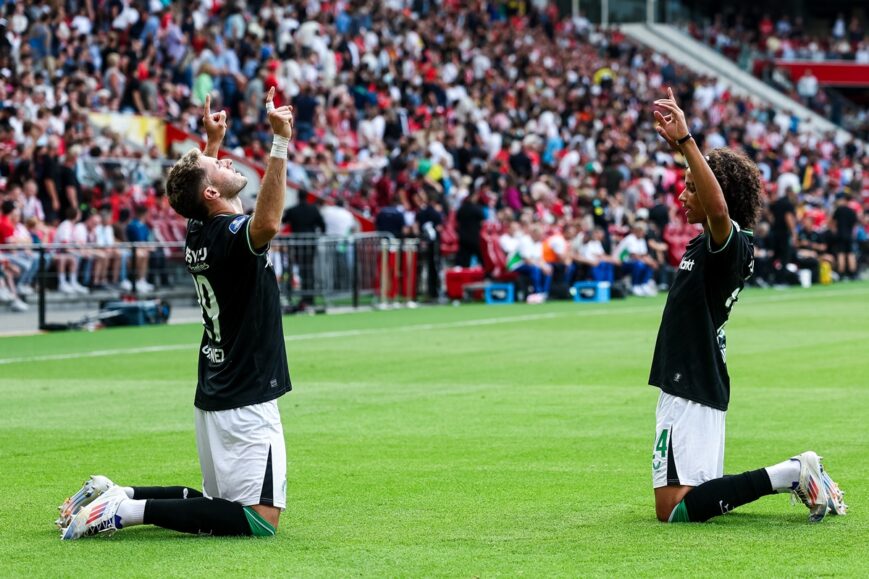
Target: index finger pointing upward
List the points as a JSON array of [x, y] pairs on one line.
[[271, 96], [208, 105], [670, 92], [667, 104]]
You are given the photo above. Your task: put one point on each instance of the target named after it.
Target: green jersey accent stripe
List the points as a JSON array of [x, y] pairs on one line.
[[249, 245], [733, 227], [679, 514], [259, 527]]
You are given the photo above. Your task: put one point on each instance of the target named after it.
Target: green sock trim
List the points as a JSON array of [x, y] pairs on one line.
[[679, 514], [259, 527]]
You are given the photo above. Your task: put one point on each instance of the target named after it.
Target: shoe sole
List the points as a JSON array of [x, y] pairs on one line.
[[835, 496], [811, 462], [87, 494], [80, 525]]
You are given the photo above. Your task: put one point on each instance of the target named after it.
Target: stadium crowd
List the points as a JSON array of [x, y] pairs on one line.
[[460, 121], [756, 41]]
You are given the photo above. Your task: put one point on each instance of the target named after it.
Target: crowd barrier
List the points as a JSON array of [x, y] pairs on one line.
[[313, 271]]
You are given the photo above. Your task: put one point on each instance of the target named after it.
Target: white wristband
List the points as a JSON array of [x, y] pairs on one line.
[[279, 147]]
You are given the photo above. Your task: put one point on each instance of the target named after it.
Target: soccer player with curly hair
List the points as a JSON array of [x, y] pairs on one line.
[[723, 194]]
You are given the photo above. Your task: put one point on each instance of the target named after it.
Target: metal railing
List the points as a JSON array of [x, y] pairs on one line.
[[338, 269], [313, 271]]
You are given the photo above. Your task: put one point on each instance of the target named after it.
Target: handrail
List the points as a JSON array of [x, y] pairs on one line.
[[180, 244]]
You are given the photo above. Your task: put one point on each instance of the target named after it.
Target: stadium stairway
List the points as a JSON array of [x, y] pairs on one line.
[[686, 51]]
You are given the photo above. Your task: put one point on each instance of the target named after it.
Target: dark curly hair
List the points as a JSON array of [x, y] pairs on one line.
[[739, 179]]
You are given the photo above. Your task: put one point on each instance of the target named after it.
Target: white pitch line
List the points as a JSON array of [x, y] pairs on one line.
[[410, 328], [320, 335]]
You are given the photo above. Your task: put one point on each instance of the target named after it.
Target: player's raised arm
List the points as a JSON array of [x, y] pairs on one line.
[[266, 221], [215, 129], [674, 129]]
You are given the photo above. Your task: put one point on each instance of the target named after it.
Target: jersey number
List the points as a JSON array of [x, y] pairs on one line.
[[210, 309], [661, 446]]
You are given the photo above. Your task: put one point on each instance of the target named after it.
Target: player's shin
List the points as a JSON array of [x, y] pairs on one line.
[[177, 492], [722, 495], [209, 516]]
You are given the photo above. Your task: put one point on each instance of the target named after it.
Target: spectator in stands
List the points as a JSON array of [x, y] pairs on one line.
[[340, 222], [602, 263], [658, 248], [763, 256], [390, 219], [67, 186], [119, 232], [305, 107], [45, 171], [659, 214], [7, 227], [811, 247], [67, 260], [116, 258], [787, 179], [93, 261], [842, 224], [556, 254], [633, 252], [579, 267], [533, 266], [8, 296], [469, 219], [429, 222], [509, 242], [139, 232], [784, 227], [304, 218], [12, 231], [337, 220], [32, 206]]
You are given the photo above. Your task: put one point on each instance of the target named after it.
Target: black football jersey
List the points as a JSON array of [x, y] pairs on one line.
[[242, 358], [690, 358]]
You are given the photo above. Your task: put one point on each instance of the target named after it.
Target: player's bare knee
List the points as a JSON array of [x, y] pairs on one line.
[[663, 511]]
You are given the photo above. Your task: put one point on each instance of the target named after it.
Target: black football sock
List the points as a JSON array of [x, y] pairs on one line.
[[140, 493], [210, 516], [722, 495]]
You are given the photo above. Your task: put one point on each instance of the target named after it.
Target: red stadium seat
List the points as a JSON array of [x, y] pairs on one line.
[[494, 260]]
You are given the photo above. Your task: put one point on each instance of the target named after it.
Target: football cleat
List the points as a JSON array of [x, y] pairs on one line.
[[835, 496], [811, 489], [100, 516], [92, 488]]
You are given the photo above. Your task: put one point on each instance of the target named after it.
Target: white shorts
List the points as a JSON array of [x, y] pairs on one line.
[[689, 443], [242, 454]]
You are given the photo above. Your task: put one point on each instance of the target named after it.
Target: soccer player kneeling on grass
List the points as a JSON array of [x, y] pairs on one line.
[[242, 358], [722, 192]]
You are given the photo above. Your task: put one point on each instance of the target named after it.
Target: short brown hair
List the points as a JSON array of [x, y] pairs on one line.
[[184, 186]]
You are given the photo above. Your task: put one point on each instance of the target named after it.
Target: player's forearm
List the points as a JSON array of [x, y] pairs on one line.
[[212, 148], [709, 192], [270, 201]]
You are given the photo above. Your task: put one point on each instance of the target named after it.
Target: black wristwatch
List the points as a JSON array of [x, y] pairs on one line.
[[684, 139]]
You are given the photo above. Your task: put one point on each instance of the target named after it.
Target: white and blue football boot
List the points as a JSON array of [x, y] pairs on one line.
[[92, 488]]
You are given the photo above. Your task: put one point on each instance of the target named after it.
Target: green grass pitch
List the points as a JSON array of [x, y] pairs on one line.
[[466, 442]]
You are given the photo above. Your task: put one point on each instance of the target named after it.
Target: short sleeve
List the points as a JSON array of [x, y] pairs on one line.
[[734, 259], [234, 230]]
